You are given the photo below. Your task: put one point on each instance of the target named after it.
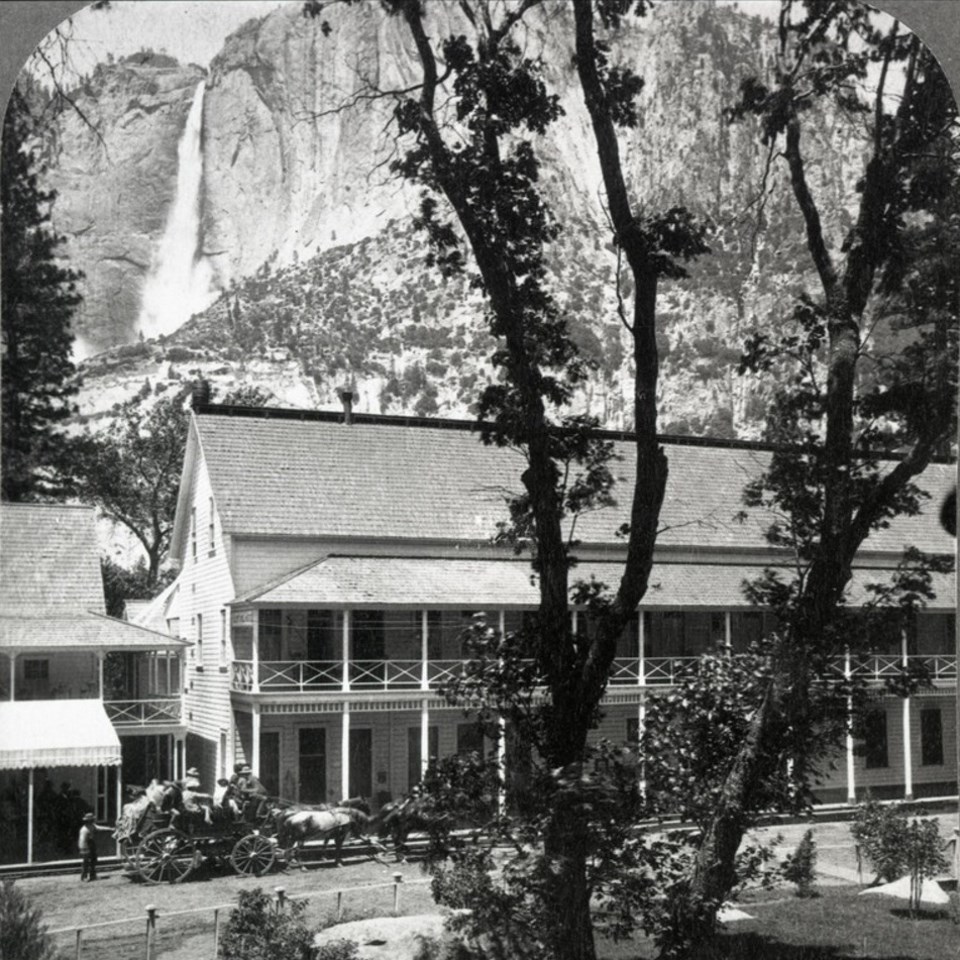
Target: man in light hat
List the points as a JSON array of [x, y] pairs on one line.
[[252, 792], [87, 844]]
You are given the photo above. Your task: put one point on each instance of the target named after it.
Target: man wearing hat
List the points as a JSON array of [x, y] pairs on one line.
[[87, 844], [252, 792]]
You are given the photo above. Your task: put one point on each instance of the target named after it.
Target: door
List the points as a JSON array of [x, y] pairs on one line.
[[361, 762], [270, 761], [313, 765]]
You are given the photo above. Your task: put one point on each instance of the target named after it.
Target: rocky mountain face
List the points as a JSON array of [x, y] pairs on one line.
[[309, 235]]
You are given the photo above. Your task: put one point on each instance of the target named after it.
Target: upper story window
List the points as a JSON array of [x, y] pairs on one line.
[[200, 640], [223, 638], [212, 529], [193, 532], [271, 634], [875, 740]]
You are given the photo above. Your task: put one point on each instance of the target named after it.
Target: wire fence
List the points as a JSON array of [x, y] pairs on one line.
[[156, 934]]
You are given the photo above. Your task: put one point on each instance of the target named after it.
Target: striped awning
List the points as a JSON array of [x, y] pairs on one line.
[[56, 733]]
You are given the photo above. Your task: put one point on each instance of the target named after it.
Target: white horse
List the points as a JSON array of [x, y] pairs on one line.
[[294, 828]]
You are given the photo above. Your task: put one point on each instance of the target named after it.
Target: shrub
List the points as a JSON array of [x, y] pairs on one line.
[[22, 933], [337, 950], [258, 931], [880, 833], [924, 849], [799, 867]]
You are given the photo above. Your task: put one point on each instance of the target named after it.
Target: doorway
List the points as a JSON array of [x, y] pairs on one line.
[[313, 765]]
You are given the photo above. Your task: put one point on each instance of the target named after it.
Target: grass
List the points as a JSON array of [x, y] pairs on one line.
[[837, 925]]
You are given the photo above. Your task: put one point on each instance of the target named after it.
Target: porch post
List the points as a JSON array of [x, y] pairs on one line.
[[119, 796], [424, 650], [424, 736], [345, 654], [30, 816], [502, 738], [13, 674], [907, 745], [641, 653], [345, 751], [851, 784], [255, 746], [168, 688], [100, 658], [728, 632], [255, 652]]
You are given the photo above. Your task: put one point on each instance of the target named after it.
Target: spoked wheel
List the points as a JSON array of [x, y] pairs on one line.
[[253, 855], [166, 856]]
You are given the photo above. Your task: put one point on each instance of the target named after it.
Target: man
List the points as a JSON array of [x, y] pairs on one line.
[[253, 794], [87, 844]]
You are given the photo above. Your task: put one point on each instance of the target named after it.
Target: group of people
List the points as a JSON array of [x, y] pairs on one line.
[[243, 795]]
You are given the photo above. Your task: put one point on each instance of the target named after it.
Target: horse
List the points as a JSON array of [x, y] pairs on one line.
[[296, 827], [397, 819]]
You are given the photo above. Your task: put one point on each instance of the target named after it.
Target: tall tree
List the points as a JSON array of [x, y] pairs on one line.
[[39, 298], [468, 136]]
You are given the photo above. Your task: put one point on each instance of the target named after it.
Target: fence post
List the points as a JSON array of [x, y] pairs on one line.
[[339, 906], [281, 897], [151, 930], [397, 880], [216, 931], [79, 942]]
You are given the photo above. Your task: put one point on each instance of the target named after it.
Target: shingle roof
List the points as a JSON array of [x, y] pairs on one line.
[[317, 478], [49, 561], [81, 632], [433, 582]]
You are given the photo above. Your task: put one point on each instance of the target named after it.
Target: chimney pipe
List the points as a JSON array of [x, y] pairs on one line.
[[201, 394], [346, 397]]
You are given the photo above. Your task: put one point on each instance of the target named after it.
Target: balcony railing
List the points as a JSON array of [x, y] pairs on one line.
[[318, 676], [144, 713]]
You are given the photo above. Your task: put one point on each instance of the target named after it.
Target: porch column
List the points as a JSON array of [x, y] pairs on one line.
[[851, 783], [13, 674], [255, 746], [907, 746], [119, 796], [30, 816], [182, 656], [641, 652], [424, 736], [345, 653], [100, 658], [728, 632], [255, 652], [424, 650], [345, 751], [502, 734], [168, 688]]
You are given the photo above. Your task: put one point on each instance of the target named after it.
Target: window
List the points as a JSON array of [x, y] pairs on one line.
[[199, 641], [36, 669], [321, 635], [633, 729], [193, 532], [271, 634], [931, 737], [211, 531], [368, 635], [875, 740], [223, 638]]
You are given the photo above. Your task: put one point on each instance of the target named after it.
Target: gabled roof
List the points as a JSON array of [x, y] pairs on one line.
[[390, 479], [49, 561], [438, 582]]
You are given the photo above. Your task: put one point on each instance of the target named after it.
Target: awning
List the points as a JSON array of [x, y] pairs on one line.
[[56, 733]]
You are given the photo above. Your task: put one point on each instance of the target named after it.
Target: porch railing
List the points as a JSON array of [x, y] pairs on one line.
[[144, 713], [311, 676]]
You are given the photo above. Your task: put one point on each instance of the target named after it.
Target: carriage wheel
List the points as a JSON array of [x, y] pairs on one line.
[[166, 856], [253, 855]]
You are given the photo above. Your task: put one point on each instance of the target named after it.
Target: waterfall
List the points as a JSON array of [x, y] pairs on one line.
[[180, 280]]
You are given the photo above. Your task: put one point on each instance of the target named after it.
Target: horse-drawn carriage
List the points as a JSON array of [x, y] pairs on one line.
[[161, 842]]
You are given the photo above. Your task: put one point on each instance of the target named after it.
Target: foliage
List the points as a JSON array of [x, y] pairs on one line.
[[23, 935], [336, 950], [122, 583], [131, 471], [39, 297], [800, 867], [257, 930], [925, 858]]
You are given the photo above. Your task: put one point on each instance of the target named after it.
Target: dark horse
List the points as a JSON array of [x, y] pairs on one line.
[[396, 820], [349, 818]]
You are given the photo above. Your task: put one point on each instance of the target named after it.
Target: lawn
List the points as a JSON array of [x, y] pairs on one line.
[[836, 925]]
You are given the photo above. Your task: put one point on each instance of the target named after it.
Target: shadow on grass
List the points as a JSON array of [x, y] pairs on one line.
[[755, 946]]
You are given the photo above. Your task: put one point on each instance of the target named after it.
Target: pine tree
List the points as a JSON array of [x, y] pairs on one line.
[[39, 298]]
